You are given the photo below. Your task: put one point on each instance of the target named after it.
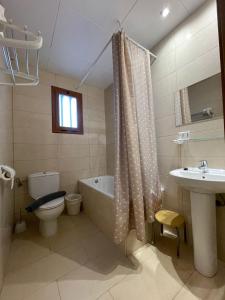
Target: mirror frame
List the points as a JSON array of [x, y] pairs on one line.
[[221, 30]]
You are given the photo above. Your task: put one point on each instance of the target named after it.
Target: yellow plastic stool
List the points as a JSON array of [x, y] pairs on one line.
[[173, 220]]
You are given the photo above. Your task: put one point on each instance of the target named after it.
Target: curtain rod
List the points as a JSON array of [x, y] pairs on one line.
[[101, 53]]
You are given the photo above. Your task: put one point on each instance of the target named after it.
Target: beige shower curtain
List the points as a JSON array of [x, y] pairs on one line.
[[137, 188]]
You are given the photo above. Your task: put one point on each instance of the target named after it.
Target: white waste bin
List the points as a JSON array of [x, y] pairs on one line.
[[73, 202]]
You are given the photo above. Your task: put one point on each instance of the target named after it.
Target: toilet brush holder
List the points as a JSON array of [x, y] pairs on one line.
[[20, 227]]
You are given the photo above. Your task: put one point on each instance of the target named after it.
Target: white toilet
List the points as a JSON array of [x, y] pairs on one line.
[[39, 185]]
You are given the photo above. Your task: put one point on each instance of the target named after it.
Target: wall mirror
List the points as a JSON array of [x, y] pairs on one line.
[[198, 102], [200, 97]]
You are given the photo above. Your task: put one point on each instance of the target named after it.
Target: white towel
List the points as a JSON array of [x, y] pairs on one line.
[[2, 13]]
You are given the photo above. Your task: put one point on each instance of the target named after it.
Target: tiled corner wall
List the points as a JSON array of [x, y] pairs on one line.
[[6, 158], [109, 116], [36, 148], [188, 55]]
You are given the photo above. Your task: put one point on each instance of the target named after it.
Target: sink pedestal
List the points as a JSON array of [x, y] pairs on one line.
[[203, 211]]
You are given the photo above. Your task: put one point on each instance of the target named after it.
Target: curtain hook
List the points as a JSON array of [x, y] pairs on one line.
[[120, 28]]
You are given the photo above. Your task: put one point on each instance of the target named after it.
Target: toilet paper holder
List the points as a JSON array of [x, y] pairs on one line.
[[7, 174]]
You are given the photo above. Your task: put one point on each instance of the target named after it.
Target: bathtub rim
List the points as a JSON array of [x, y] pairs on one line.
[[85, 182]]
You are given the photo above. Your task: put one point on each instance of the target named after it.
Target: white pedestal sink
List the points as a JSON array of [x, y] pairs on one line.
[[203, 187]]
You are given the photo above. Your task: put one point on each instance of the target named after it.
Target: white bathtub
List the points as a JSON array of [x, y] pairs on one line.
[[98, 202], [103, 184]]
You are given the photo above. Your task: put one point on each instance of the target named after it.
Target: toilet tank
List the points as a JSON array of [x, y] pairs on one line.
[[43, 183]]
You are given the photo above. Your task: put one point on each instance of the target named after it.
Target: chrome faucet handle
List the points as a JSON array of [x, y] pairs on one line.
[[203, 165]]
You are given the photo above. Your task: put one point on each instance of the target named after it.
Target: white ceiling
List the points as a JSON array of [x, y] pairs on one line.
[[75, 31]]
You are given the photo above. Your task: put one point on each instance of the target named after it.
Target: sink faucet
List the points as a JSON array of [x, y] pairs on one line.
[[203, 166]]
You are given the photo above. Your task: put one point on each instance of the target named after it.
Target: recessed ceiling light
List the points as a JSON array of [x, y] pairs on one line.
[[165, 12]]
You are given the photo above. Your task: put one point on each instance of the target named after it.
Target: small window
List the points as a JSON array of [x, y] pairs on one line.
[[67, 115]]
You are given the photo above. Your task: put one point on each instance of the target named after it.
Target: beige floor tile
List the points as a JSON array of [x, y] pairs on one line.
[[24, 252], [98, 244], [164, 256], [65, 222], [27, 280], [32, 234], [75, 253], [93, 279], [133, 287], [49, 292], [74, 236], [158, 276], [200, 287], [106, 296]]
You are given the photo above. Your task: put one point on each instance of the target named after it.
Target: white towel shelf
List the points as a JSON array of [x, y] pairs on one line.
[[20, 51], [198, 139]]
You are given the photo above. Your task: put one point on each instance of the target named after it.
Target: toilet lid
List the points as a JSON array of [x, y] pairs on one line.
[[54, 203]]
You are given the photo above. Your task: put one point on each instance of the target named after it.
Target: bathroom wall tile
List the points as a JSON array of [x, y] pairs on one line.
[[6, 157], [95, 127], [72, 139], [26, 167], [163, 66], [31, 104], [197, 45], [6, 98], [73, 151], [198, 69], [69, 83], [34, 152], [6, 119], [95, 92], [196, 22], [165, 46], [38, 91], [34, 136], [166, 126], [96, 139], [97, 162], [6, 153], [70, 178], [97, 150], [6, 135], [72, 164], [47, 78], [23, 119], [165, 146], [167, 163], [96, 103], [165, 86], [164, 106], [208, 148]]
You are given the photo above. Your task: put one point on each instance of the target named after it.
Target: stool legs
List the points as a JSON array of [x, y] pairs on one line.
[[161, 229], [185, 233], [178, 242], [177, 232], [153, 234]]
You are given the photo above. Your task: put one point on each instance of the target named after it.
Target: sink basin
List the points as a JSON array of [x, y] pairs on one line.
[[213, 181], [203, 187]]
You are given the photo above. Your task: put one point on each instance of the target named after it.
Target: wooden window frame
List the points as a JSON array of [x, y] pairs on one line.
[[56, 128]]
